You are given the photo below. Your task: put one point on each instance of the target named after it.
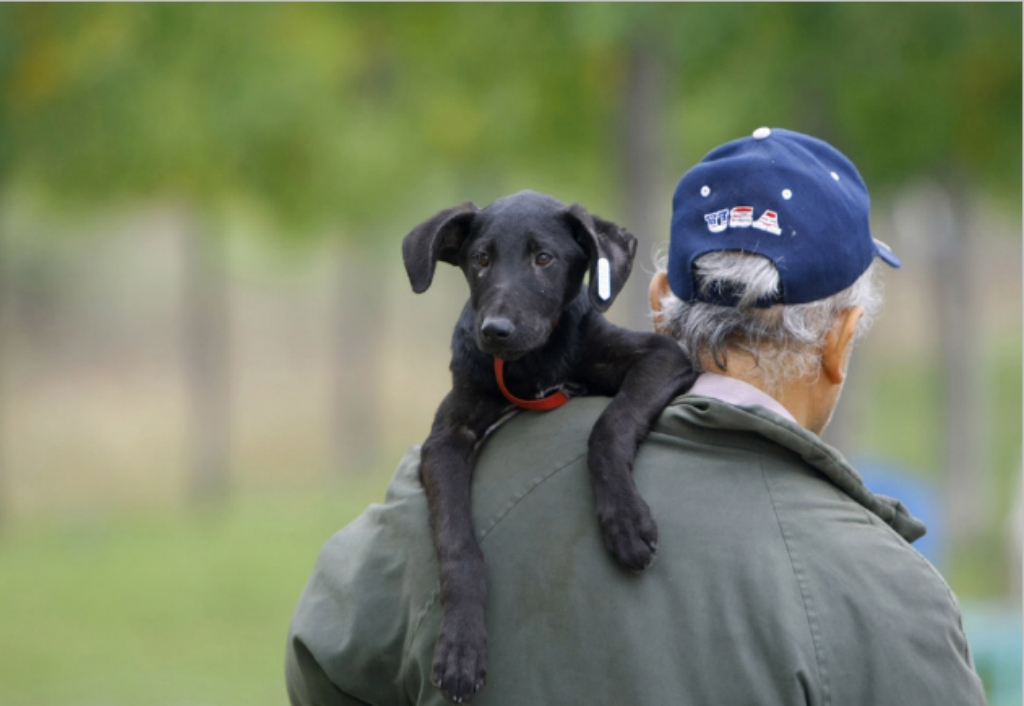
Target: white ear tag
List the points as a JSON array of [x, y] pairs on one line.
[[604, 279]]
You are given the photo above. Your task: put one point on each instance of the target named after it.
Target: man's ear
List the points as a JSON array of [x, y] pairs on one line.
[[656, 291], [835, 357], [437, 238], [610, 248]]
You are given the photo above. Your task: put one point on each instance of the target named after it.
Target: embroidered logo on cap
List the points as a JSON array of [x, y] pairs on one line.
[[742, 217], [717, 221], [769, 221]]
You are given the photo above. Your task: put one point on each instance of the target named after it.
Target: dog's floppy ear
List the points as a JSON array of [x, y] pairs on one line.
[[610, 248], [437, 238]]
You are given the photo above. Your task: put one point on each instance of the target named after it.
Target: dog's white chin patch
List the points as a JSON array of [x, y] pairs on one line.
[[604, 279]]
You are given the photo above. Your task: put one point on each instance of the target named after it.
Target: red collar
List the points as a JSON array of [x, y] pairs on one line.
[[552, 401]]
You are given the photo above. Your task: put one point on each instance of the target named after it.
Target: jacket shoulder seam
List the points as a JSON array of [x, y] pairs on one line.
[[805, 596], [534, 483]]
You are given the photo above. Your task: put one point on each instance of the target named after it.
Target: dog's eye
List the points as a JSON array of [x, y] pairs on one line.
[[543, 258], [483, 259]]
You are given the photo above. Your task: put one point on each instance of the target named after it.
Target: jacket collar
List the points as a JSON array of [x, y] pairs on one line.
[[737, 392], [714, 414]]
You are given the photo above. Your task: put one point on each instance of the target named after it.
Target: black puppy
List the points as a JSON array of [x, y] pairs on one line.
[[530, 321]]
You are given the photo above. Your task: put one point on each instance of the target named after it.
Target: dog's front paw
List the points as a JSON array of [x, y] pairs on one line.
[[629, 532], [460, 663]]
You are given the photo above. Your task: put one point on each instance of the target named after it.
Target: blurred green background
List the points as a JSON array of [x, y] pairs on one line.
[[211, 360]]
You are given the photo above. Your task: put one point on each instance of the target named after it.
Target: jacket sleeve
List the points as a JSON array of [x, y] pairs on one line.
[[889, 628], [886, 629], [351, 629]]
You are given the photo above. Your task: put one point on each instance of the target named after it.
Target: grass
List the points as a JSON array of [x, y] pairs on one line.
[[167, 608]]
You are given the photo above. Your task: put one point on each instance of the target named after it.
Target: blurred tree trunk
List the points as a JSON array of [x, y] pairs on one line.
[[639, 155], [357, 323], [934, 231], [961, 363], [207, 368], [6, 291]]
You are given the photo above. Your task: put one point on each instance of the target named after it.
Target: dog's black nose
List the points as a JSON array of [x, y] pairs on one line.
[[496, 328]]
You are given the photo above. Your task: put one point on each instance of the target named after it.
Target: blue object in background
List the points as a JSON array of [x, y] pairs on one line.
[[920, 496], [994, 632]]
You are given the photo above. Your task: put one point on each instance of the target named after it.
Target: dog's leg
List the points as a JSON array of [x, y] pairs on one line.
[[647, 371], [460, 654]]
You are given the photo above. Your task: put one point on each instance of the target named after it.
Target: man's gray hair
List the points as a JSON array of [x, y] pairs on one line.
[[785, 339]]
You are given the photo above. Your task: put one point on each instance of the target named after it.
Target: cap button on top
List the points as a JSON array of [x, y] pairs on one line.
[[762, 132]]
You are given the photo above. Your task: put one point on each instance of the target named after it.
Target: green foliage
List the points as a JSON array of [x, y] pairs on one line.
[[333, 114], [905, 89]]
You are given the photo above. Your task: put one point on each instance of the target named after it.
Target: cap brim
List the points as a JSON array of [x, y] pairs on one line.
[[887, 254]]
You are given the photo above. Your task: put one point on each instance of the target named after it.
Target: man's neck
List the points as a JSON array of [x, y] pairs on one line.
[[801, 398]]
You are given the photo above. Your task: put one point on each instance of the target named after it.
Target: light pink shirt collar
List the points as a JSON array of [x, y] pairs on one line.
[[736, 392]]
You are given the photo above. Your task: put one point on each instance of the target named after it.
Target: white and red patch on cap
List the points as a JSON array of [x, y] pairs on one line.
[[769, 222], [741, 217]]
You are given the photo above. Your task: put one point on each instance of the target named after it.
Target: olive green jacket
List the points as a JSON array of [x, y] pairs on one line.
[[780, 579]]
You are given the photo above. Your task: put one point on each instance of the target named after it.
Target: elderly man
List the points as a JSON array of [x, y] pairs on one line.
[[780, 580]]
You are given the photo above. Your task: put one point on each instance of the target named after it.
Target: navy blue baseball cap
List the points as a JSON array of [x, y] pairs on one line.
[[792, 198]]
